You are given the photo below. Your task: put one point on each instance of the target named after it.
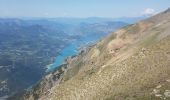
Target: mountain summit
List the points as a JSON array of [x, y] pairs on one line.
[[130, 64]]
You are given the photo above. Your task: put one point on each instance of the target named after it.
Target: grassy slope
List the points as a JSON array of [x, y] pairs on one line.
[[135, 77]]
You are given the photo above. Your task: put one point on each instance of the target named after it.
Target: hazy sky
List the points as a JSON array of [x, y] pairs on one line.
[[81, 8]]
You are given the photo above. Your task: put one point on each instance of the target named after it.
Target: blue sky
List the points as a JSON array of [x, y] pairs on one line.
[[81, 8]]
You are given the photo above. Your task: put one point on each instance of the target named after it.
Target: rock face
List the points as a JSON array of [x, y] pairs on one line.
[[130, 64]]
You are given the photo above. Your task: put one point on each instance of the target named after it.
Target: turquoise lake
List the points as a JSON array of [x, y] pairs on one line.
[[71, 50]]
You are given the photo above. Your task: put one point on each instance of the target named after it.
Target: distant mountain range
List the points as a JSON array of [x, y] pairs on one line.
[[73, 20]]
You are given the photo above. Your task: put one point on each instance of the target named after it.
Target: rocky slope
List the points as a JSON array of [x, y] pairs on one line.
[[130, 64]]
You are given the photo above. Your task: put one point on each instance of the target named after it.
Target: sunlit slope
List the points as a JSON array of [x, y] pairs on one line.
[[136, 77]]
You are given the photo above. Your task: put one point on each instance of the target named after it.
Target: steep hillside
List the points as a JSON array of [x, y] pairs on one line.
[[130, 64]]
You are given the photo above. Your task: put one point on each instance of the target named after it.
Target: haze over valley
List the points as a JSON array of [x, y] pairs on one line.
[[84, 50]]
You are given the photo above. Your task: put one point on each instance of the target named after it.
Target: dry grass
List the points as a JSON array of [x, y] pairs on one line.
[[133, 78]]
